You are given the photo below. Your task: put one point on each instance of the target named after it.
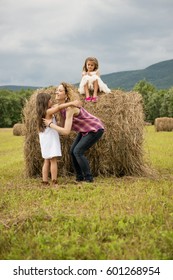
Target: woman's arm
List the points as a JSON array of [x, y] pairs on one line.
[[68, 122], [54, 109]]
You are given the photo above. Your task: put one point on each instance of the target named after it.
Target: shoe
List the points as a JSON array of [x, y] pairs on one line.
[[89, 180], [88, 99], [54, 182], [45, 183], [94, 99], [79, 178]]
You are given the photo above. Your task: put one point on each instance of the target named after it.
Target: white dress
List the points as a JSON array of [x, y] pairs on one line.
[[50, 142], [90, 80]]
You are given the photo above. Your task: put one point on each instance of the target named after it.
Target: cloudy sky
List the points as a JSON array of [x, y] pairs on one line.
[[44, 42]]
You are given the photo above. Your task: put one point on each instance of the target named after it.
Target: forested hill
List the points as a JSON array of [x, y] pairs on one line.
[[159, 74]]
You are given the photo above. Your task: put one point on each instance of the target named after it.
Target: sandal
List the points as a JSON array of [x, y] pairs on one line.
[[94, 99], [55, 183], [88, 99], [45, 183]]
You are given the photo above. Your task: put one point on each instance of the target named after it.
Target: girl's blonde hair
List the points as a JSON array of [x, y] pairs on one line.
[[42, 101], [93, 59]]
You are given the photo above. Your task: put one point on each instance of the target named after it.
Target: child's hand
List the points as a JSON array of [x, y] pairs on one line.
[[47, 121], [77, 103], [89, 73]]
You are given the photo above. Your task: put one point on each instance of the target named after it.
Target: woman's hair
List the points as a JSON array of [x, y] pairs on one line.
[[42, 101], [70, 92], [93, 59]]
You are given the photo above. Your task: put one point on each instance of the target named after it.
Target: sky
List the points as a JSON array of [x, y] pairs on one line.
[[45, 42]]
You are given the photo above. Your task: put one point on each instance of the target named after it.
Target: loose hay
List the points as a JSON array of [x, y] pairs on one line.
[[18, 129], [163, 124], [119, 152]]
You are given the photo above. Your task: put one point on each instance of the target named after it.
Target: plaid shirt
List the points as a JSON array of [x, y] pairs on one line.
[[84, 122]]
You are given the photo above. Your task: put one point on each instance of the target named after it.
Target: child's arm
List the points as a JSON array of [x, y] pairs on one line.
[[68, 123], [56, 108], [84, 73], [98, 72]]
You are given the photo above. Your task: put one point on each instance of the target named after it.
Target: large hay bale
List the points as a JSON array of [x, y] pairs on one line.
[[19, 129], [163, 124], [119, 152]]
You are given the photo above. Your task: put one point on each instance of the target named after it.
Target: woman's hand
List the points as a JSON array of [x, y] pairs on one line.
[[47, 121], [77, 103]]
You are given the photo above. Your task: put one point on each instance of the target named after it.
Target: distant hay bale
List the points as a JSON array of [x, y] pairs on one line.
[[119, 152], [18, 129], [163, 124]]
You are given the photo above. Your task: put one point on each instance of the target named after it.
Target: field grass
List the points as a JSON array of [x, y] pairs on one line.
[[128, 218]]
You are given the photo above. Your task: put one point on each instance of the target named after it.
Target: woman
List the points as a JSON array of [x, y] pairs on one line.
[[89, 129]]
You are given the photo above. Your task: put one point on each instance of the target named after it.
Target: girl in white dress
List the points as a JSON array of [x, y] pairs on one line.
[[49, 138], [91, 80]]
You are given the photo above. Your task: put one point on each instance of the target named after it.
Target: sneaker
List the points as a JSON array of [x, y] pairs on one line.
[[94, 99], [89, 180], [88, 99], [79, 180]]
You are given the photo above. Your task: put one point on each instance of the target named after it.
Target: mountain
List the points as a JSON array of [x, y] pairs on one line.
[[159, 74], [17, 88]]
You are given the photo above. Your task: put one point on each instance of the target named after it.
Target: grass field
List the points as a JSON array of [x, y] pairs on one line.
[[128, 218]]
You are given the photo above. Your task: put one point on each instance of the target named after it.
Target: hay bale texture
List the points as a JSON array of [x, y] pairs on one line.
[[163, 124], [119, 152], [19, 129]]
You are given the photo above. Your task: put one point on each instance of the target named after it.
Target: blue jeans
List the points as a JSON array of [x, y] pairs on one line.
[[80, 145]]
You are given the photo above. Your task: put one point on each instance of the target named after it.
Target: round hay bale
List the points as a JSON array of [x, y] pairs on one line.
[[19, 129], [119, 152], [163, 124]]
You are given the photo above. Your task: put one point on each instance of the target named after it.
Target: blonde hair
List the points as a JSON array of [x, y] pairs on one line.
[[93, 59], [70, 92]]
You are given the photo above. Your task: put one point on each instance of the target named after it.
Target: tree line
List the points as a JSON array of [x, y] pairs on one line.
[[157, 103], [11, 106]]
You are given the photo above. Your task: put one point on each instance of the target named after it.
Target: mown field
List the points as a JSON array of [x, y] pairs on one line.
[[125, 218]]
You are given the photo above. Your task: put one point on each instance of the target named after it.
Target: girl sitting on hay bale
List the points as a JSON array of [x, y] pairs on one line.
[[48, 137], [91, 80], [89, 129]]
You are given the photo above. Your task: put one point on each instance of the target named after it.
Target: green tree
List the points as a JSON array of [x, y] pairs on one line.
[[154, 104], [146, 90], [11, 105], [166, 109]]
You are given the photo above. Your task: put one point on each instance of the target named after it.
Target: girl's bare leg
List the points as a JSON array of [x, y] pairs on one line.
[[96, 87], [86, 91], [45, 170], [54, 168]]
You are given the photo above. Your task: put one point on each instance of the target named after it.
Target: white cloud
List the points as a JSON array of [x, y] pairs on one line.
[[46, 41]]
